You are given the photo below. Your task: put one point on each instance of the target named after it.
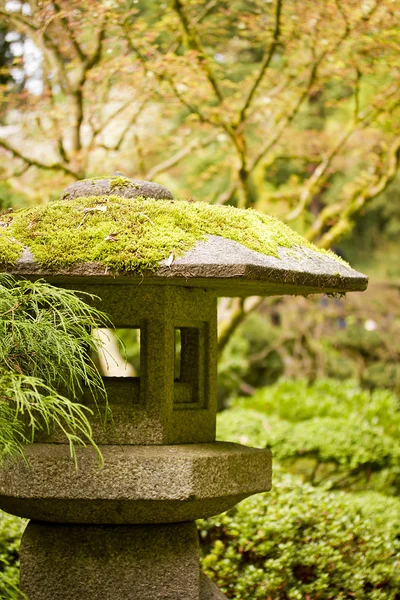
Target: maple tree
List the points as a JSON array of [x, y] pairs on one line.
[[288, 107]]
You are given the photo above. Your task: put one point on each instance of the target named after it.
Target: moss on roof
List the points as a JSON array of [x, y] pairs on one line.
[[10, 249], [133, 234]]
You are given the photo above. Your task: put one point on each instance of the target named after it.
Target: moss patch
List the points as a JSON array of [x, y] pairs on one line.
[[135, 234], [10, 248], [118, 181]]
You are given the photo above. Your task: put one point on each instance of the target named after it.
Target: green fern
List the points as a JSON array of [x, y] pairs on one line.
[[45, 346]]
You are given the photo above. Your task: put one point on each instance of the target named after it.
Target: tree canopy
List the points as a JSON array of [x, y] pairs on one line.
[[288, 107]]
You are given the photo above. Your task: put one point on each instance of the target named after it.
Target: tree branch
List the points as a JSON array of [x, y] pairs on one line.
[[174, 159], [358, 200], [241, 308], [32, 162], [195, 44], [206, 11], [319, 174], [265, 64], [92, 61], [53, 115], [178, 156], [66, 26], [100, 128], [164, 77], [127, 127]]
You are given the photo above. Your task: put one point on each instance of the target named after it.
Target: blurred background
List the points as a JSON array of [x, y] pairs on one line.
[[288, 107]]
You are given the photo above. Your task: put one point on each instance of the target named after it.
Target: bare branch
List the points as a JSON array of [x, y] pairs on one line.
[[94, 59], [140, 154], [178, 156], [356, 112], [32, 162], [130, 122], [54, 120], [227, 196], [16, 173], [343, 14], [241, 308], [357, 124], [19, 21], [318, 175], [100, 128], [206, 11]]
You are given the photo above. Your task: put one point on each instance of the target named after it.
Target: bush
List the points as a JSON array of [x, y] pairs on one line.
[[327, 431], [300, 542], [11, 529], [298, 400]]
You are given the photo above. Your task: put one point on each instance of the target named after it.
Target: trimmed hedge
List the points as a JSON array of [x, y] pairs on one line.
[[304, 543]]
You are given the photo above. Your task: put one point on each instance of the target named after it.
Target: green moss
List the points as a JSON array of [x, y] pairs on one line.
[[122, 182], [10, 248], [119, 181], [144, 231]]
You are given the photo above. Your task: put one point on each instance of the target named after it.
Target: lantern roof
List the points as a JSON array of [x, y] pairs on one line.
[[116, 230]]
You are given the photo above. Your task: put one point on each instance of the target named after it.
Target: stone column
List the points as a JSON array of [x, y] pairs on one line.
[[125, 530]]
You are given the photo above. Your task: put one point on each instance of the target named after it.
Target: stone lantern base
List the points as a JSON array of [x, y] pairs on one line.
[[113, 562], [124, 530]]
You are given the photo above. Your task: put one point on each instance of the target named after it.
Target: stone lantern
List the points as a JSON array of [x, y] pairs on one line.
[[125, 530]]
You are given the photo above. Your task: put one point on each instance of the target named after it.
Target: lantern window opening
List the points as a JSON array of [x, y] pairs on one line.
[[188, 368], [119, 355]]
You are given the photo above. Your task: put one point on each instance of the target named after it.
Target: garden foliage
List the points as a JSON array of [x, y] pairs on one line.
[[299, 541], [45, 345], [328, 431], [302, 542], [11, 529], [356, 337]]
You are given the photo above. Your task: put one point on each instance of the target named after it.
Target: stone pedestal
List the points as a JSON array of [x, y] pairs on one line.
[[110, 562]]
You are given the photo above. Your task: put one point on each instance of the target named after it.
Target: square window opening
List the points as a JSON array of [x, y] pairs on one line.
[[187, 366], [118, 353]]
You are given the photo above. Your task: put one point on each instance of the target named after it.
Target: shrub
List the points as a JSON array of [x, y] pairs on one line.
[[327, 431], [11, 529], [298, 400], [300, 542]]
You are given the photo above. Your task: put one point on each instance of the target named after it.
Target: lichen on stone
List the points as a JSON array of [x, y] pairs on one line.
[[116, 181], [135, 234], [120, 181]]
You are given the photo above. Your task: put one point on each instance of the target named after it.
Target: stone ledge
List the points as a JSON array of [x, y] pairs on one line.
[[137, 484], [224, 266]]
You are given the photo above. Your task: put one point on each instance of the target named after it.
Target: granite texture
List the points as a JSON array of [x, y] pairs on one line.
[[225, 267], [87, 562], [116, 185], [208, 589], [157, 408], [137, 484]]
